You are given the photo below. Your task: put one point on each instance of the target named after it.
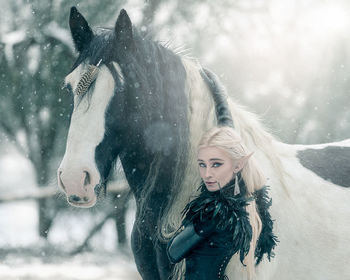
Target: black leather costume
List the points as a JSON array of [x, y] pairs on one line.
[[216, 226]]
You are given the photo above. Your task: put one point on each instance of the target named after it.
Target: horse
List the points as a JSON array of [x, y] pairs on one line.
[[141, 102]]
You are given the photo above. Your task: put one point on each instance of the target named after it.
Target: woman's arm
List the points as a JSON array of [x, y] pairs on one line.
[[183, 243], [187, 239]]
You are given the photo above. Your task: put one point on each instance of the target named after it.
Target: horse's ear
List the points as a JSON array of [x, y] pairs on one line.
[[123, 30], [81, 32]]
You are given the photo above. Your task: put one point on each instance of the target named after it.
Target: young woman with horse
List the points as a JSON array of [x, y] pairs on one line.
[[230, 215], [138, 101]]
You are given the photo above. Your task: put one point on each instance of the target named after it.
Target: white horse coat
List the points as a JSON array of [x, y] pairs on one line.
[[312, 215]]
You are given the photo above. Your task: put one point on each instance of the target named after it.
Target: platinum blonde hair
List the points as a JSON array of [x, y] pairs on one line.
[[227, 139]]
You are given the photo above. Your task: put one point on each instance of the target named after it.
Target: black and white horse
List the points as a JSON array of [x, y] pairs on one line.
[[137, 100]]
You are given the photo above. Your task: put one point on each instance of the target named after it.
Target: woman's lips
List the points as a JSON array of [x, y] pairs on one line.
[[210, 183]]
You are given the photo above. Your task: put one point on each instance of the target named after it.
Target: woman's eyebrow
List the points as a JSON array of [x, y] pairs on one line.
[[212, 159]]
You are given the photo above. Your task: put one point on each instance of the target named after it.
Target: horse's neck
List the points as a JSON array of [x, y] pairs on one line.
[[134, 175], [151, 160]]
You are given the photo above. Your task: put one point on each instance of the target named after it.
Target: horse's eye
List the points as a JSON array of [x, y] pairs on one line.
[[67, 87]]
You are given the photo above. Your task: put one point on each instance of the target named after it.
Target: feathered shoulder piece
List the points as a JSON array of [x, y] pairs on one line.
[[226, 210], [267, 240]]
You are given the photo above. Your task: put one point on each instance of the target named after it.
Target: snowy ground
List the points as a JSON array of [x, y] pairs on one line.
[[88, 266], [24, 256]]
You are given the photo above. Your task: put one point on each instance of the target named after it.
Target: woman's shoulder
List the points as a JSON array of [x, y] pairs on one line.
[[221, 206]]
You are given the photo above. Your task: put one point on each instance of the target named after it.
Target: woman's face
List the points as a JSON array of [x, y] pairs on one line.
[[216, 167]]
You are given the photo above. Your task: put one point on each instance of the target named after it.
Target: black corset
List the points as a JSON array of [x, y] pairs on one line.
[[209, 259]]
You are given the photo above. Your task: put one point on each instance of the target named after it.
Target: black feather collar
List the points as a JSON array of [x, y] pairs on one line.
[[267, 240], [228, 211]]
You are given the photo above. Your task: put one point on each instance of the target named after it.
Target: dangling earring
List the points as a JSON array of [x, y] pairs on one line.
[[236, 190]]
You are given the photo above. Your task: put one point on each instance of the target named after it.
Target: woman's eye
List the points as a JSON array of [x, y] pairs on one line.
[[217, 164], [201, 165]]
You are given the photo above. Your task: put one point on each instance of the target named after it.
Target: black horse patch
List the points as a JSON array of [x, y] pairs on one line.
[[331, 163]]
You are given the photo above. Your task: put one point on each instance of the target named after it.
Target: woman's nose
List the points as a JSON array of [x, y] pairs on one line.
[[208, 173]]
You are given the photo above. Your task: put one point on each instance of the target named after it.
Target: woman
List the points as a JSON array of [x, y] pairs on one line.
[[229, 216]]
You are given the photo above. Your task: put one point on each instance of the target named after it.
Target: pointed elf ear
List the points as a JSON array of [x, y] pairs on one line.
[[81, 32], [123, 31], [241, 163]]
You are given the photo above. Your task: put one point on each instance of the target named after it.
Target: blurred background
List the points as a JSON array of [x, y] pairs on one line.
[[287, 61]]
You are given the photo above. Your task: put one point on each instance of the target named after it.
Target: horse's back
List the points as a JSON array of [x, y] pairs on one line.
[[329, 161]]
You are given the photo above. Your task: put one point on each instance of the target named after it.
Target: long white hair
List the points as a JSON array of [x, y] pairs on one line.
[[227, 139]]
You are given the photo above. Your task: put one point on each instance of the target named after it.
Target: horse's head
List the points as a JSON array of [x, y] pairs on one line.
[[96, 134]]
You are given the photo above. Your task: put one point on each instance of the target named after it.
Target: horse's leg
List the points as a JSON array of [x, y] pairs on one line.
[[163, 264], [120, 200], [144, 254]]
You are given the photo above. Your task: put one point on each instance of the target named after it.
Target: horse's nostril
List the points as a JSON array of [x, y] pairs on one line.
[[87, 179], [74, 198]]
